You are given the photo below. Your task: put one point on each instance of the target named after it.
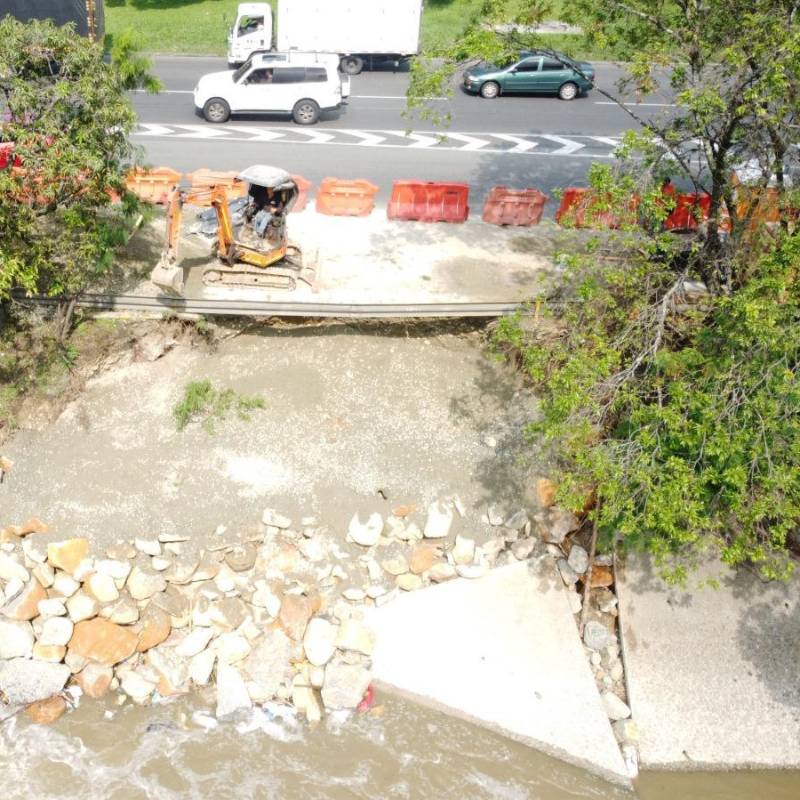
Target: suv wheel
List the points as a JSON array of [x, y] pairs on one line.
[[351, 65], [490, 90], [216, 110], [305, 112], [568, 91]]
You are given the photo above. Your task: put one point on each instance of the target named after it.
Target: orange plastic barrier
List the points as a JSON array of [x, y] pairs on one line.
[[584, 208], [303, 185], [340, 198], [152, 185], [208, 178], [429, 202], [514, 207]]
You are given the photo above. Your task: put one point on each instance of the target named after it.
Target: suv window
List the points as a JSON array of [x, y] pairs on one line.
[[316, 75], [260, 76], [289, 75], [549, 65], [531, 65]]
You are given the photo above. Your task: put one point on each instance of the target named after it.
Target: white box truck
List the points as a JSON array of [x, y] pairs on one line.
[[359, 31]]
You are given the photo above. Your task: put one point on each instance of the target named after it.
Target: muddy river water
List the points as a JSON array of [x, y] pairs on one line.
[[399, 750]]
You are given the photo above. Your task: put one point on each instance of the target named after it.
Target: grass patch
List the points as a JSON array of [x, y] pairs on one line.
[[204, 403], [200, 27], [166, 26]]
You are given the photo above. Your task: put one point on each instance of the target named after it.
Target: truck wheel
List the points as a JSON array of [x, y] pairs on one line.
[[216, 110], [305, 112], [351, 65]]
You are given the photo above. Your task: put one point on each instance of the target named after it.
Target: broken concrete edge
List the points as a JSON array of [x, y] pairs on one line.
[[616, 566], [549, 749]]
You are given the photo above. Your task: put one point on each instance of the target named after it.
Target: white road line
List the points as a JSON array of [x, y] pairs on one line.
[[611, 103], [522, 145], [568, 146], [471, 142]]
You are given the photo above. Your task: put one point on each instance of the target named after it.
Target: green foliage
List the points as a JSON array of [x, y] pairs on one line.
[[682, 411], [203, 402], [69, 119]]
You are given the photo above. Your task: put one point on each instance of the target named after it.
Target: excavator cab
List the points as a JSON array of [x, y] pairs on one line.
[[254, 253]]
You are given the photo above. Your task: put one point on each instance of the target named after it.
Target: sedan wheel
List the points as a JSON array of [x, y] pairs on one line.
[[569, 91], [216, 110], [490, 90]]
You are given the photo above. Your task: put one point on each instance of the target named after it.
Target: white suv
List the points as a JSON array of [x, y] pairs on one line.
[[300, 84]]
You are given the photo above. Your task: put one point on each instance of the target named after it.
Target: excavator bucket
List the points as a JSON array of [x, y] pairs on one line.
[[168, 277]]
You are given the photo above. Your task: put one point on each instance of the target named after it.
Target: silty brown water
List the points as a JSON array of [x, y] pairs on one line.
[[404, 751]]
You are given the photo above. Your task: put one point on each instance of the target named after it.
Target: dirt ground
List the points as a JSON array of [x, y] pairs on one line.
[[353, 420]]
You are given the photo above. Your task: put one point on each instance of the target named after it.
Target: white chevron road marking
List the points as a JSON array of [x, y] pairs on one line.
[[420, 140], [610, 140], [536, 144], [257, 134], [367, 139], [202, 132], [522, 145], [568, 146], [472, 143], [147, 129], [315, 137]]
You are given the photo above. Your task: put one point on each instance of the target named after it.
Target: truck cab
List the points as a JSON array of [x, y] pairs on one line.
[[251, 32]]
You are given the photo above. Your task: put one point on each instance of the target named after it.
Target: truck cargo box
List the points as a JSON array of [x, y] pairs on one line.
[[364, 27], [86, 14]]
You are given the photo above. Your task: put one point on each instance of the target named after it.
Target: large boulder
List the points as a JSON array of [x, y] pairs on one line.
[[345, 685], [23, 681]]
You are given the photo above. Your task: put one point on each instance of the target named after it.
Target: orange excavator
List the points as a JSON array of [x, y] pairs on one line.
[[257, 252]]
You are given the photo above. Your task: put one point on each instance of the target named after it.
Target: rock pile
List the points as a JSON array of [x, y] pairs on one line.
[[273, 612]]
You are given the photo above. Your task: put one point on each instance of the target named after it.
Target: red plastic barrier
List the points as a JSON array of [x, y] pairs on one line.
[[303, 185], [6, 149], [340, 198], [584, 208], [429, 202], [689, 211], [514, 207]]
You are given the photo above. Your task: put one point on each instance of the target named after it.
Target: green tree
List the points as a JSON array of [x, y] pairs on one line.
[[66, 111], [668, 366]]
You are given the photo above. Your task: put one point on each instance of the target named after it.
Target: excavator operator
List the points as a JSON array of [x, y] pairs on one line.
[[263, 206]]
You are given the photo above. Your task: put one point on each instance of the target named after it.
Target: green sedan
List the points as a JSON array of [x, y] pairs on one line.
[[532, 73]]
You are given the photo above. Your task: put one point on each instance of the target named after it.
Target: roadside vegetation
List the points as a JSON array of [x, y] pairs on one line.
[[667, 364], [202, 402]]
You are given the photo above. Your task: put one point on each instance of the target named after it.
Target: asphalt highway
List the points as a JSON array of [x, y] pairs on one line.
[[515, 141]]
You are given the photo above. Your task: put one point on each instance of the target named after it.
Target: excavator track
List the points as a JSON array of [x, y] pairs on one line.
[[283, 275]]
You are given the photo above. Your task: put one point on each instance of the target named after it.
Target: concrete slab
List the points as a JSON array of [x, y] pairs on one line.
[[373, 260], [502, 651], [712, 673]]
